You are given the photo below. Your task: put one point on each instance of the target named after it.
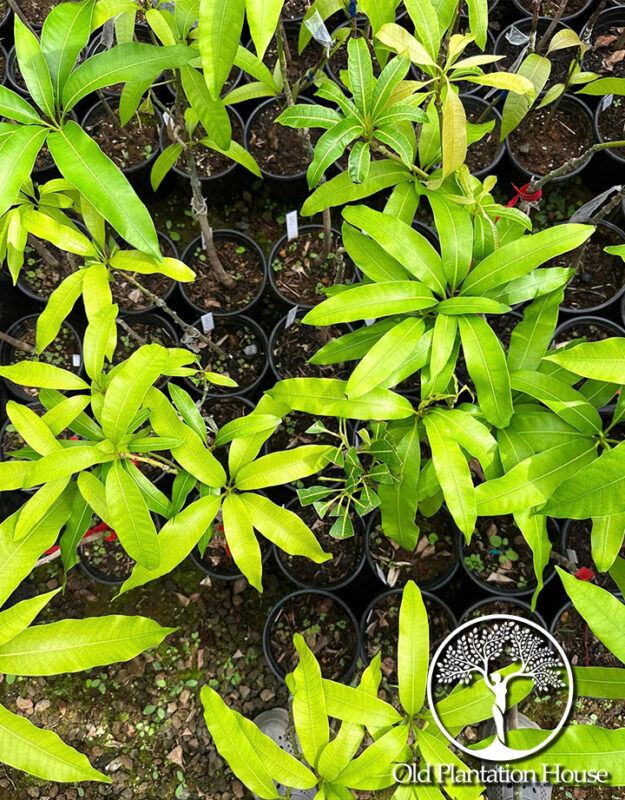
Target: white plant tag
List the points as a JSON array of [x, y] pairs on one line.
[[208, 322], [290, 317], [292, 225], [319, 32], [76, 360], [517, 37], [369, 322], [204, 239], [585, 212], [572, 556], [607, 101]]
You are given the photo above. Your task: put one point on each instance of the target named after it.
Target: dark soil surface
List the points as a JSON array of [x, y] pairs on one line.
[[481, 154], [340, 60], [129, 298], [606, 54], [43, 278], [217, 558], [611, 124], [209, 162], [502, 607], [129, 146], [220, 412], [591, 331], [599, 276], [328, 632], [292, 432], [499, 556], [548, 8], [578, 539], [245, 359], [434, 557], [36, 11], [560, 59], [241, 262], [382, 632], [298, 272], [293, 346], [580, 644], [147, 332], [292, 9], [298, 65], [346, 553], [107, 558], [544, 142], [60, 352], [277, 149]]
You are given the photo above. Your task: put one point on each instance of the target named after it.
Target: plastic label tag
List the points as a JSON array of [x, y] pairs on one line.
[[517, 37], [369, 322], [572, 556], [319, 32], [76, 360], [208, 322], [292, 225], [290, 317], [607, 101]]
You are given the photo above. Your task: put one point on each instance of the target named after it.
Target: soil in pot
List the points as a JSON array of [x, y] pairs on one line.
[[580, 644], [501, 607], [277, 149], [292, 431], [11, 439], [346, 553], [148, 333], [611, 124], [293, 346], [301, 276], [382, 631], [129, 146], [578, 539], [298, 65], [60, 353], [591, 331], [340, 59], [245, 358], [549, 8], [599, 276], [326, 628], [36, 11], [217, 558], [560, 59], [129, 298], [295, 9], [219, 412], [42, 277], [605, 54], [107, 558], [209, 162], [499, 557], [547, 139], [483, 153], [240, 261], [434, 557]]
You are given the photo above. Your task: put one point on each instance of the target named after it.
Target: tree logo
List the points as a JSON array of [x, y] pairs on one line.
[[487, 656]]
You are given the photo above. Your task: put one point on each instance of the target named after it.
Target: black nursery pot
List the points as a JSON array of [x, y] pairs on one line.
[[290, 188], [498, 588], [326, 603], [445, 561], [605, 325], [308, 575], [608, 17], [476, 106], [222, 326], [225, 182], [105, 562], [576, 533], [11, 79], [227, 571], [610, 154], [577, 108], [6, 455], [581, 640], [137, 174], [274, 256], [392, 599], [584, 7], [4, 58], [18, 329], [500, 604], [243, 240]]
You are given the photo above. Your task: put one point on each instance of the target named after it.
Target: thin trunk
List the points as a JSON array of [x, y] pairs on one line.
[[546, 37], [17, 343], [40, 248], [113, 117], [17, 10], [133, 334]]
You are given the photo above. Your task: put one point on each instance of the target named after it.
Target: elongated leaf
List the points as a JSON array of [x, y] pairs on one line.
[[76, 527], [34, 68], [65, 33], [331, 146], [534, 529], [42, 503], [602, 361], [83, 163], [457, 243], [459, 306], [357, 705], [220, 27], [32, 428], [242, 541], [282, 527], [17, 159], [42, 376], [372, 769], [309, 713], [96, 342], [305, 115], [607, 539], [530, 338], [64, 463], [412, 655], [59, 304], [17, 618], [537, 70], [604, 682], [353, 345], [454, 133], [398, 39], [282, 467], [212, 113], [13, 106], [246, 426], [131, 518]]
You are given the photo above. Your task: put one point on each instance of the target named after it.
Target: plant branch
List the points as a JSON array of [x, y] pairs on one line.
[[126, 327], [17, 10], [17, 343], [544, 39], [39, 247]]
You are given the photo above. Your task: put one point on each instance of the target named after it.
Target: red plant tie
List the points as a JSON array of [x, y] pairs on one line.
[[584, 574], [102, 528], [523, 194]]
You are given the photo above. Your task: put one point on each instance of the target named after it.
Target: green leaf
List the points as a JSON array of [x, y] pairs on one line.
[[242, 540], [163, 164], [34, 68], [398, 39], [390, 77], [326, 396], [17, 159], [246, 426], [537, 70], [537, 283], [176, 539], [359, 161], [188, 410], [596, 490], [601, 682], [453, 473], [127, 390], [402, 203], [331, 146], [386, 356], [98, 334], [65, 33], [283, 467], [41, 753], [220, 27], [454, 133], [412, 652], [64, 463], [607, 539], [523, 255], [530, 338], [370, 257], [403, 243], [469, 432], [15, 619], [372, 769], [83, 163], [282, 527], [13, 106], [360, 71], [309, 712], [459, 306], [76, 527], [32, 428], [478, 20], [602, 361], [353, 345], [130, 517], [534, 529], [42, 376], [604, 86], [38, 506], [358, 706], [531, 482], [426, 24], [233, 745], [486, 363], [457, 241], [305, 115], [212, 113], [73, 645], [58, 307], [368, 301], [566, 402], [604, 613]]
